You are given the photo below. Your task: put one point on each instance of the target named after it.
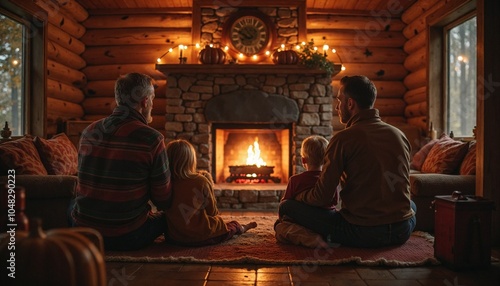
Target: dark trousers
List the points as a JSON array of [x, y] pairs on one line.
[[332, 226]]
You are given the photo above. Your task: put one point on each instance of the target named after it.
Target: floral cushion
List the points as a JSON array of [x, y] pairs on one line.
[[419, 157], [445, 156], [468, 166], [21, 155], [58, 154]]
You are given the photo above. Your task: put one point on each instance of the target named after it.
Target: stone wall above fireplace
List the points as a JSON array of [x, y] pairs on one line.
[[292, 95]]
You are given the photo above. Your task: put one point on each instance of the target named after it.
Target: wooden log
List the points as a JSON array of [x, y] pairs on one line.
[[100, 88], [416, 10], [171, 37], [420, 23], [61, 55], [58, 18], [416, 95], [142, 54], [99, 105], [58, 106], [158, 120], [105, 105], [342, 22], [390, 106], [416, 60], [65, 74], [161, 89], [59, 90], [416, 79], [416, 42], [420, 122], [74, 9], [416, 109], [385, 72], [105, 72], [166, 20], [368, 55], [385, 89], [356, 38], [64, 39], [394, 120]]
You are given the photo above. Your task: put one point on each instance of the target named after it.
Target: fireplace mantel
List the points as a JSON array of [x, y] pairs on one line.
[[239, 69]]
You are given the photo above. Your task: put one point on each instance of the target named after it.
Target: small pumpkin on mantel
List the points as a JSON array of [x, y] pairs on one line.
[[69, 256], [285, 57], [213, 56]]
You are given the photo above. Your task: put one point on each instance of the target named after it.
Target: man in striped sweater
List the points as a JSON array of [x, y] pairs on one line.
[[122, 169]]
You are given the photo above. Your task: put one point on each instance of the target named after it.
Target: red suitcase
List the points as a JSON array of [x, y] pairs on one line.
[[463, 231]]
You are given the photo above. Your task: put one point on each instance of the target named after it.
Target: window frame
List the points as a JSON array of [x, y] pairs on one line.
[[437, 23], [34, 73]]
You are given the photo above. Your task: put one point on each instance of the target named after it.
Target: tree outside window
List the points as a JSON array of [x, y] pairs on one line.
[[11, 75], [461, 91]]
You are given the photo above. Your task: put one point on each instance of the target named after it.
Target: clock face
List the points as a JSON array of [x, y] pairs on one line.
[[249, 35]]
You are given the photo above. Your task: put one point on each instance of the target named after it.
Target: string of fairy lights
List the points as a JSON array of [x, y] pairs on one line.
[[183, 51]]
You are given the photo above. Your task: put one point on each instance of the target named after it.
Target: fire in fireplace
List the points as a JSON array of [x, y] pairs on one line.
[[255, 170], [251, 153]]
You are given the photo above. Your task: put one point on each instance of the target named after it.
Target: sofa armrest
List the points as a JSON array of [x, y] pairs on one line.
[[45, 186], [430, 185]]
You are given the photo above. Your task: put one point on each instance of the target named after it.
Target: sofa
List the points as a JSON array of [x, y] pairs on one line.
[[46, 169], [441, 167]]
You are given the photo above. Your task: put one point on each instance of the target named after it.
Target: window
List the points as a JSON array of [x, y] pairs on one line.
[[452, 72], [23, 27], [11, 75], [461, 73]]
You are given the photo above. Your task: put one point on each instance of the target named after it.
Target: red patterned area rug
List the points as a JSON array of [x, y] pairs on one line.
[[259, 246]]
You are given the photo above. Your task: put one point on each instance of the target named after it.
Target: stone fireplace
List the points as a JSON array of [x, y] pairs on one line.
[[223, 109]]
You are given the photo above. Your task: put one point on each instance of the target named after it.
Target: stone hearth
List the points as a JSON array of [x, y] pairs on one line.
[[291, 97]]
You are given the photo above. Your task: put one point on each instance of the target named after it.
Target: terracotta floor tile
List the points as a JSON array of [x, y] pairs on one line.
[[232, 276], [375, 274]]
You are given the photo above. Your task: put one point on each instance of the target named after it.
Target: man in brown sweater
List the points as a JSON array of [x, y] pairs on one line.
[[371, 161]]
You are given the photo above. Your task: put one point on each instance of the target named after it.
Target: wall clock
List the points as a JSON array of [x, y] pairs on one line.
[[249, 32]]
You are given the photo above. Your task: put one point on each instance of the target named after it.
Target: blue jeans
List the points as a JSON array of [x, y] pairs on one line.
[[332, 226], [145, 235]]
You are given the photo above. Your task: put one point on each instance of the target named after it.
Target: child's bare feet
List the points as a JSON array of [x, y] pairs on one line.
[[246, 227]]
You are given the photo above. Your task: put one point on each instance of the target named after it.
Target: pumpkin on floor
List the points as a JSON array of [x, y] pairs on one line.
[[66, 256]]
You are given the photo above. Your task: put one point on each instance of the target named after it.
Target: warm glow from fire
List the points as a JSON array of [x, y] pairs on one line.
[[254, 154]]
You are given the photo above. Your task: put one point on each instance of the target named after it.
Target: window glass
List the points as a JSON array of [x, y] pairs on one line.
[[461, 87], [11, 75]]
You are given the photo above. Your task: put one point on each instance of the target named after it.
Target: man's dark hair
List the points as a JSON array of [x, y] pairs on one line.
[[361, 89]]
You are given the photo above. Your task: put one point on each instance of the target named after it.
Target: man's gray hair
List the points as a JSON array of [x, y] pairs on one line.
[[131, 88]]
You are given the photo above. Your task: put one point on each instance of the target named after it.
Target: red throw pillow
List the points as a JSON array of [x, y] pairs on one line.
[[468, 166], [445, 156], [58, 154], [21, 155], [419, 157]]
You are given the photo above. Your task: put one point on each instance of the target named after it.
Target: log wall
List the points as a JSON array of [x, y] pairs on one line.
[[371, 46], [117, 44], [65, 81], [415, 31]]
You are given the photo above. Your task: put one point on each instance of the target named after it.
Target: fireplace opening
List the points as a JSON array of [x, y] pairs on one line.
[[251, 153]]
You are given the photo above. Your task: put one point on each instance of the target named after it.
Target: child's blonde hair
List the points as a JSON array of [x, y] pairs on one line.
[[313, 150], [181, 158]]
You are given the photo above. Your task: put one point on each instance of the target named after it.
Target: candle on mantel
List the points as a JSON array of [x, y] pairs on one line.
[[180, 48]]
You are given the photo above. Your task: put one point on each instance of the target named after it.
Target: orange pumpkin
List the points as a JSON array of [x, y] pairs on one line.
[[58, 257], [211, 55], [287, 57]]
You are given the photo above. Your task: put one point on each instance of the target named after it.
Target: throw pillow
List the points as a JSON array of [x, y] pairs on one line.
[[21, 156], [58, 154], [468, 166], [445, 156], [419, 157]]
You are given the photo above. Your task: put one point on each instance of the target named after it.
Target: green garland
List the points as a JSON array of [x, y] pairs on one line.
[[312, 58]]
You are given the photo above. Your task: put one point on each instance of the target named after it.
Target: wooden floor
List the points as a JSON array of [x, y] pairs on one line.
[[174, 274]]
